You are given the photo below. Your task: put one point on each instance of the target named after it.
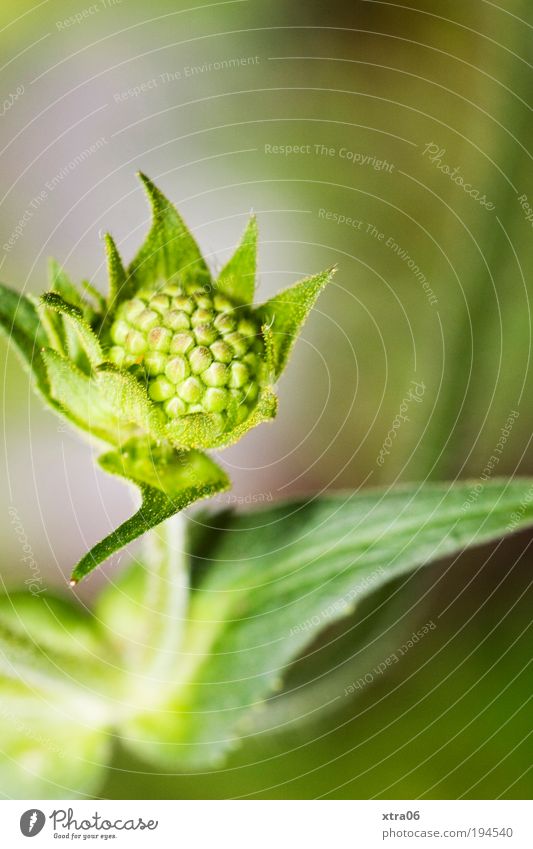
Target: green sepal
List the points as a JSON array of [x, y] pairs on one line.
[[80, 400], [73, 316], [237, 278], [202, 430], [168, 481], [170, 253], [21, 325], [129, 401], [285, 313]]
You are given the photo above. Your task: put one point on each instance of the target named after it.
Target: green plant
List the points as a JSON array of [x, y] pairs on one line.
[[191, 640]]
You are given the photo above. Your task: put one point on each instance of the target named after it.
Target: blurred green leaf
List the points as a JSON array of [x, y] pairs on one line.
[[50, 757], [280, 576], [51, 648], [20, 324]]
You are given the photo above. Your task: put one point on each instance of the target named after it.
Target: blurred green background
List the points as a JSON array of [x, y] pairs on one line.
[[324, 119]]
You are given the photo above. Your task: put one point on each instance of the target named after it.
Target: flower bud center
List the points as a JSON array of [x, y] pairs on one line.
[[198, 352]]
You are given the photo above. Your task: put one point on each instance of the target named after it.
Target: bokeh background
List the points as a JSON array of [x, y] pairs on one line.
[[330, 121]]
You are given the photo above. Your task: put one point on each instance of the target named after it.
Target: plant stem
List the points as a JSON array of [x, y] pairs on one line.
[[167, 597]]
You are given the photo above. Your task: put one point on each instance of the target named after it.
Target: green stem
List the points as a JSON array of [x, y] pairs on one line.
[[167, 598]]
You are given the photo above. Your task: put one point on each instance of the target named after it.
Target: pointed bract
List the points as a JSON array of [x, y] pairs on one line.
[[74, 316], [121, 285], [237, 278], [285, 314], [170, 253], [60, 282]]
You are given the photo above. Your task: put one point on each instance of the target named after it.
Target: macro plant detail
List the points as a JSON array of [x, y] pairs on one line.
[[184, 648], [172, 361]]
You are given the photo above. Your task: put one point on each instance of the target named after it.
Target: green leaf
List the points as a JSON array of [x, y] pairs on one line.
[[80, 400], [280, 576], [74, 316], [170, 253], [60, 685], [168, 480], [237, 278], [286, 312], [51, 756], [20, 324]]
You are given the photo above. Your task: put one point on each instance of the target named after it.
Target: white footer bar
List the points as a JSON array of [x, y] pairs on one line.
[[268, 824]]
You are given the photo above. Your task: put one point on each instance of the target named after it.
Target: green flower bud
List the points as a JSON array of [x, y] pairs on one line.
[[216, 375], [181, 343], [205, 334], [200, 353], [120, 331], [239, 375], [191, 390], [161, 389], [200, 359], [177, 369], [145, 320], [135, 343], [177, 320], [222, 352], [216, 400], [154, 363], [159, 339]]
